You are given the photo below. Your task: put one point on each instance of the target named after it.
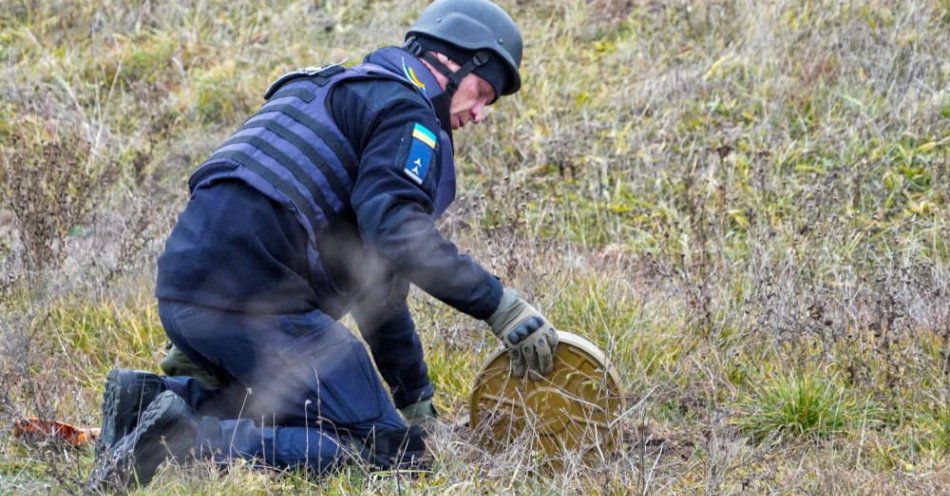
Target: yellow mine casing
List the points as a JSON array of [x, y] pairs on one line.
[[571, 411]]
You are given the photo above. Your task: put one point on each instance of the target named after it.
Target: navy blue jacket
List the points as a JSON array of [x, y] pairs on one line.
[[238, 250]]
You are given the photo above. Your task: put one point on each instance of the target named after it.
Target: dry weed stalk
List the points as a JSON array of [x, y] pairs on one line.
[[50, 182]]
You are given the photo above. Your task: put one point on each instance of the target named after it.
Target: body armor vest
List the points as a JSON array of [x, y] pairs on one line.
[[292, 152]]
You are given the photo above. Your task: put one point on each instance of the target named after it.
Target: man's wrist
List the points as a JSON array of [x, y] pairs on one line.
[[489, 303], [508, 298]]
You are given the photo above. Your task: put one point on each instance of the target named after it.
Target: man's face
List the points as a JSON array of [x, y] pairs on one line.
[[471, 97], [470, 100]]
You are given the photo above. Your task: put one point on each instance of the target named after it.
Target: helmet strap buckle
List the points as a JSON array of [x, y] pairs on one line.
[[413, 46], [480, 58]]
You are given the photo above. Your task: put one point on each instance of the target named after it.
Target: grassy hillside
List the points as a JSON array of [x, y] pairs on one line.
[[746, 203]]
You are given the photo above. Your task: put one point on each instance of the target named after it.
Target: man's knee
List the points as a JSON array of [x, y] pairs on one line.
[[332, 377]]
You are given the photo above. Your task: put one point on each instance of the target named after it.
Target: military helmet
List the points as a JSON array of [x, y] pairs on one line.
[[477, 26]]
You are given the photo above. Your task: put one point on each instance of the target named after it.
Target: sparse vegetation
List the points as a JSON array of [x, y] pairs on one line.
[[745, 203], [797, 404]]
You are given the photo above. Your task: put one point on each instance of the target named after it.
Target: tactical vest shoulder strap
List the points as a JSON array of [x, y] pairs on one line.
[[319, 75]]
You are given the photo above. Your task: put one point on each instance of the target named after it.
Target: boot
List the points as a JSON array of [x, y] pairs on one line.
[[168, 429], [127, 394]]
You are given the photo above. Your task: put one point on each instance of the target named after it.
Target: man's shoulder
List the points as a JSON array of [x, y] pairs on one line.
[[378, 94]]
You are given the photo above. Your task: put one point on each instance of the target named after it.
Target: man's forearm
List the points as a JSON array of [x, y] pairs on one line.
[[406, 236]]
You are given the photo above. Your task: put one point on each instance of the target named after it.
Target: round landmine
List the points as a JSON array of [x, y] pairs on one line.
[[573, 410]]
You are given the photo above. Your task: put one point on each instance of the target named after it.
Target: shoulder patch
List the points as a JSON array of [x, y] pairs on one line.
[[420, 154], [411, 75]]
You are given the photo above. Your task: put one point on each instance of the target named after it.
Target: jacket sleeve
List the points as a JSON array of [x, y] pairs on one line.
[[393, 212], [387, 327]]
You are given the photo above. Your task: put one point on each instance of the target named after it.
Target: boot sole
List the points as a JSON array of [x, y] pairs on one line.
[[127, 394], [132, 459], [111, 432]]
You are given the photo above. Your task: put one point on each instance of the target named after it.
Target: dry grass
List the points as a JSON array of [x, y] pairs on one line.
[[745, 203]]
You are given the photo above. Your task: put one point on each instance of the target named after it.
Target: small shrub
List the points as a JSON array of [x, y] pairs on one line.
[[49, 183], [798, 405]]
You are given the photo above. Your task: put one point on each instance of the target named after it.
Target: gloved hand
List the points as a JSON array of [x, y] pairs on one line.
[[529, 338], [419, 412]]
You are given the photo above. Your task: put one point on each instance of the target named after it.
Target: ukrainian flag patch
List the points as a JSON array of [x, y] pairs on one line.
[[420, 153]]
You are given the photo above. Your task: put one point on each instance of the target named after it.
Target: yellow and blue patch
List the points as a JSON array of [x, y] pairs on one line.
[[420, 153], [411, 75]]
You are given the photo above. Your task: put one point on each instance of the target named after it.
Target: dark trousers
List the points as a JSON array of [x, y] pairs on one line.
[[300, 387]]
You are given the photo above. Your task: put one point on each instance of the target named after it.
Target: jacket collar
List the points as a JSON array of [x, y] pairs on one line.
[[407, 65], [411, 68]]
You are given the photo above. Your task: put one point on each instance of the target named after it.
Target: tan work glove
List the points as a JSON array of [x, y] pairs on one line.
[[528, 336]]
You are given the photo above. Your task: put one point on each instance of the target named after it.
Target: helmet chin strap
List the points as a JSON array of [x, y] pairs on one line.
[[454, 77]]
